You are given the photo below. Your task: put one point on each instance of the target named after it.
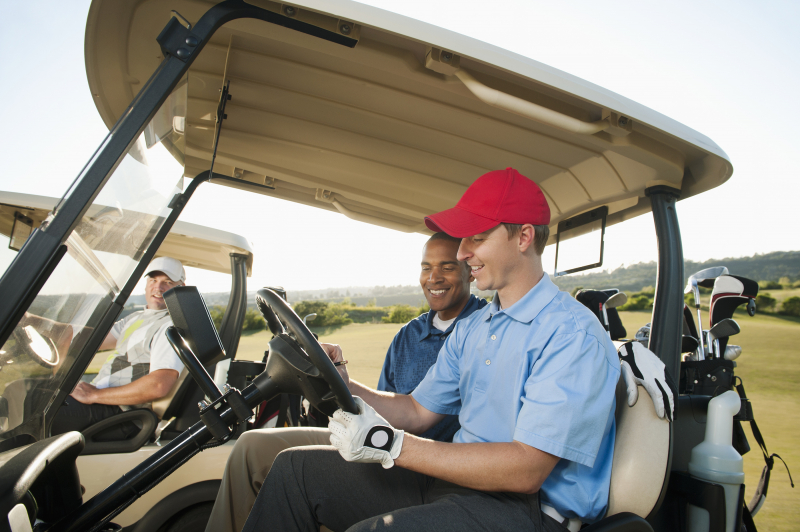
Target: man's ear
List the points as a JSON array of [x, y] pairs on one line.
[[526, 237]]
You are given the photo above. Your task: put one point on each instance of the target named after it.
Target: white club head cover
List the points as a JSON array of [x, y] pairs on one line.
[[640, 366], [365, 437]]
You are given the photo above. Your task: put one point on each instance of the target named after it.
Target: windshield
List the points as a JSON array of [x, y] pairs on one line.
[[103, 252]]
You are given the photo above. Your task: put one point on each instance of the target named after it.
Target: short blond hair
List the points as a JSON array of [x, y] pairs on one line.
[[540, 235]]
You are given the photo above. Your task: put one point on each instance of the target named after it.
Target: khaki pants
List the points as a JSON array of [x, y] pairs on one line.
[[247, 467]]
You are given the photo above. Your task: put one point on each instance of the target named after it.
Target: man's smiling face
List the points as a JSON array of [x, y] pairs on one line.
[[491, 256], [158, 283], [444, 280]]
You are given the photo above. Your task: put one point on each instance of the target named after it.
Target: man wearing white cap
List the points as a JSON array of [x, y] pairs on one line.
[[143, 366]]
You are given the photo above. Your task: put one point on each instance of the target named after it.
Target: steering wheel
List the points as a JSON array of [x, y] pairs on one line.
[[278, 314], [38, 348]]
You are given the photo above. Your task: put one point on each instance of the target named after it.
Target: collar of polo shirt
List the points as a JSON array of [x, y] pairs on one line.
[[531, 304]]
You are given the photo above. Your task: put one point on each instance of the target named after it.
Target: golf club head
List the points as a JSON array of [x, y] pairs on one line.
[[705, 278], [689, 344], [617, 300], [691, 285], [723, 329], [310, 317], [732, 352]]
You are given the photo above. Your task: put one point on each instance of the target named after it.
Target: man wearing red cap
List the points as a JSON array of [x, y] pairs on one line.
[[532, 378]]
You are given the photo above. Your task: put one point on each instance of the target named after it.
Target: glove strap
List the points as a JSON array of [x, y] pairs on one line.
[[380, 437]]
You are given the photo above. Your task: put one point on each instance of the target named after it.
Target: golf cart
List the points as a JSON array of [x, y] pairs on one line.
[[352, 109], [104, 460]]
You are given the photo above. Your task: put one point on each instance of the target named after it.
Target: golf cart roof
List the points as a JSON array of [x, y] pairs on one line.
[[396, 127], [193, 245]]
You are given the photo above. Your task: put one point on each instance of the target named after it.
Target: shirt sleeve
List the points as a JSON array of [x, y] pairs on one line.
[[439, 390], [386, 380], [568, 398], [162, 356], [118, 327]]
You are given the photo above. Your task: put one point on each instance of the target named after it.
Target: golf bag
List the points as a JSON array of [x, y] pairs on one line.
[[731, 291], [593, 300]]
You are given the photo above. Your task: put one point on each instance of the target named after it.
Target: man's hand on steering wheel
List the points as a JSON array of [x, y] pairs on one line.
[[365, 437]]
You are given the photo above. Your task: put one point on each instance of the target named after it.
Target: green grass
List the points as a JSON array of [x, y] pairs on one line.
[[781, 295], [770, 369]]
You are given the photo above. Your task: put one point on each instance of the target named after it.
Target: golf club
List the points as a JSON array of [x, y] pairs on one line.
[[309, 317], [703, 278], [617, 300], [725, 328], [689, 344], [732, 352]]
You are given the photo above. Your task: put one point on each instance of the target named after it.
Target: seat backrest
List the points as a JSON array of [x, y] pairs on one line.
[[641, 456]]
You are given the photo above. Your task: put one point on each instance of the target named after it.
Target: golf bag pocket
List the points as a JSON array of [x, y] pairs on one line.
[[706, 377]]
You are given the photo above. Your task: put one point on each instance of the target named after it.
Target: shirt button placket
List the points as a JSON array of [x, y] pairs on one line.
[[491, 350]]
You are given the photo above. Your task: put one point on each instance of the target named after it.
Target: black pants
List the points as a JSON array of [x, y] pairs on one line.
[[312, 486], [74, 415]]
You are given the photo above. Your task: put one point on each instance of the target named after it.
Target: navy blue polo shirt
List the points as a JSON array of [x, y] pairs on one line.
[[414, 350]]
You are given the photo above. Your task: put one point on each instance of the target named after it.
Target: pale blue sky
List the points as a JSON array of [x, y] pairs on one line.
[[727, 69]]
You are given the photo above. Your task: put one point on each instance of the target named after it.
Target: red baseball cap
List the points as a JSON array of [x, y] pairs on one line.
[[499, 196]]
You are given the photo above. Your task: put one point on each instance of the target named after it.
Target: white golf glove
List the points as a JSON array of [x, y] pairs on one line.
[[640, 366], [365, 437]]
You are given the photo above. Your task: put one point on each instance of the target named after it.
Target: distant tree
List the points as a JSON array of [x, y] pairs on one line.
[[791, 306], [769, 285], [637, 302], [401, 314], [372, 302], [217, 313], [253, 321], [304, 308], [424, 307], [765, 302], [328, 314], [252, 318], [796, 284], [649, 291], [334, 315], [785, 281]]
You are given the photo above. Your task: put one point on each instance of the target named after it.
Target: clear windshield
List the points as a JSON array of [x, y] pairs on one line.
[[103, 252]]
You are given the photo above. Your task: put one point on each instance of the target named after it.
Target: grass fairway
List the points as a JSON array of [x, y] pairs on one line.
[[770, 369]]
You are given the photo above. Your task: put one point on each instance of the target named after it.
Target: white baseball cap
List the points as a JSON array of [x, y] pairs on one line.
[[169, 266]]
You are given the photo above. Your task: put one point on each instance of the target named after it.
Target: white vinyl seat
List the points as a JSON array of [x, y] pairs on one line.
[[641, 459]]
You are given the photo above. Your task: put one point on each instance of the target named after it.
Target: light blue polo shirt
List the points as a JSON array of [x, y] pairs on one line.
[[542, 372]]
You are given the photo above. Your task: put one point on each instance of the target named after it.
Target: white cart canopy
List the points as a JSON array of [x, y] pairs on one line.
[[396, 127]]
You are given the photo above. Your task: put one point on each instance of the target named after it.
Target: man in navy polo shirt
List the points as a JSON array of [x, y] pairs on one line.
[[445, 283], [532, 377]]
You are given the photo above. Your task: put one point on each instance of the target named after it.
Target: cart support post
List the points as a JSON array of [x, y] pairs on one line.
[[231, 328], [666, 326]]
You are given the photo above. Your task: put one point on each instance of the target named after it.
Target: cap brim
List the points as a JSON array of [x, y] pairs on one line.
[[459, 223], [171, 275]]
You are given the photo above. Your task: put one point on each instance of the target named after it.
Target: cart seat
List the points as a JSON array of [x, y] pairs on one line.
[[640, 468]]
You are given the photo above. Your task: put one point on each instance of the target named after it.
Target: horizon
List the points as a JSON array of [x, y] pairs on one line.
[[729, 81]]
